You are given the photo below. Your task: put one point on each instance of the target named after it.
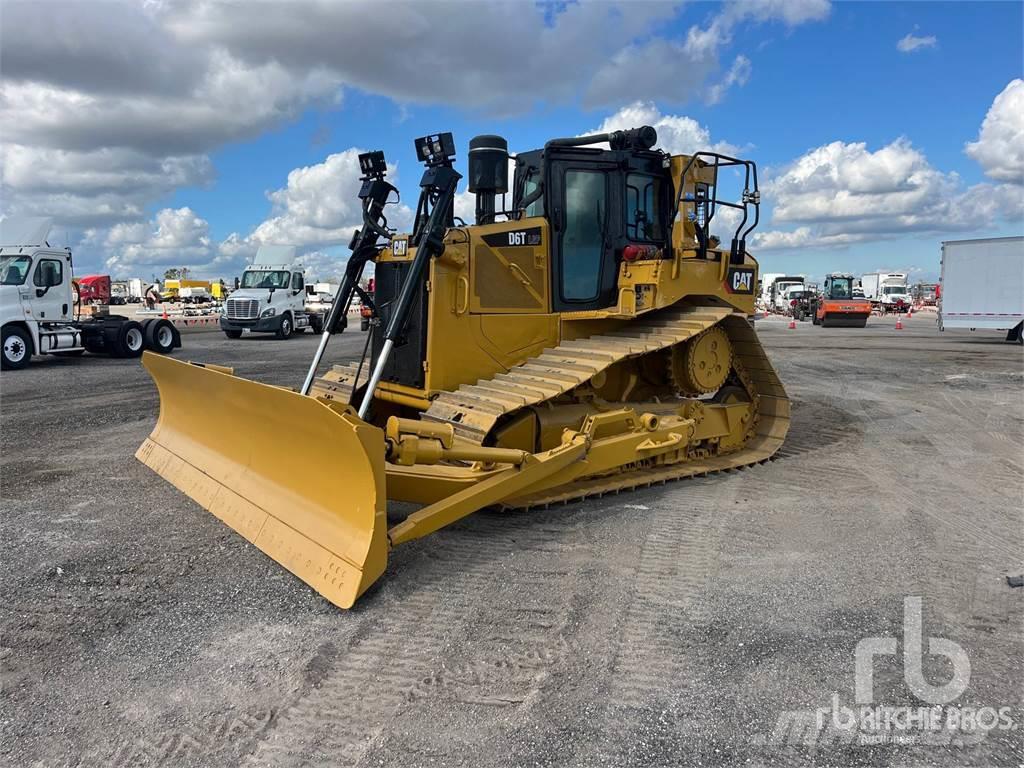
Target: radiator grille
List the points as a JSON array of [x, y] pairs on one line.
[[241, 309]]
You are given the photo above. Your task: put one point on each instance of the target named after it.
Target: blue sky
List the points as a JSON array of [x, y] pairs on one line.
[[808, 76]]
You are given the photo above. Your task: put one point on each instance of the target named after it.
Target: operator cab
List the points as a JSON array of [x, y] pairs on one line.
[[606, 206], [838, 287], [599, 202]]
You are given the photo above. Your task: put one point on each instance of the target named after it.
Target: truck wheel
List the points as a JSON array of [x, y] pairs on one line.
[[285, 330], [125, 339], [17, 349], [233, 334], [317, 325], [159, 336]]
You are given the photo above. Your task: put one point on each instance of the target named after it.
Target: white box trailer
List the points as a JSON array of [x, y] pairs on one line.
[[136, 289], [767, 280], [983, 285]]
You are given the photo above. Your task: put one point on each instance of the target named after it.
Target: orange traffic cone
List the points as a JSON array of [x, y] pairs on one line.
[[164, 308], [792, 324], [899, 322]]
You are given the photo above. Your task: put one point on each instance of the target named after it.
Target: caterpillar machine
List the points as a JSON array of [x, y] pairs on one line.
[[593, 338]]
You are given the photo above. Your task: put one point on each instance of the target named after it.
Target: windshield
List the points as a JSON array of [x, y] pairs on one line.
[[888, 290], [261, 279], [842, 288], [14, 269]]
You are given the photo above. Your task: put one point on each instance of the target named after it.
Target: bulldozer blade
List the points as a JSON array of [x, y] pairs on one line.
[[300, 479]]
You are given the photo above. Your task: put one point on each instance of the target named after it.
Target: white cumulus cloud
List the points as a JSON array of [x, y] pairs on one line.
[[319, 204], [842, 193], [677, 134], [999, 149]]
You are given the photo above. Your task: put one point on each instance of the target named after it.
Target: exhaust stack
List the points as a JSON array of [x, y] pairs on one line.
[[488, 173]]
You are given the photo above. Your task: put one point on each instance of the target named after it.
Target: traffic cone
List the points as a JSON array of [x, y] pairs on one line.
[[164, 308], [792, 324], [899, 322]]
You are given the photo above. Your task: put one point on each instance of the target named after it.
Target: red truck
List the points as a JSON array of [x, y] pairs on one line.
[[94, 289]]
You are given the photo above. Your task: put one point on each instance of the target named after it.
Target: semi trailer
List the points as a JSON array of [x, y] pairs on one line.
[[983, 285]]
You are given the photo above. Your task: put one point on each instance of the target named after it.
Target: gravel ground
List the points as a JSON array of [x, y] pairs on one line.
[[702, 622]]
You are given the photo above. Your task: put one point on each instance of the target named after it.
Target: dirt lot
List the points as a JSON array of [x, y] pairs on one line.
[[701, 622]]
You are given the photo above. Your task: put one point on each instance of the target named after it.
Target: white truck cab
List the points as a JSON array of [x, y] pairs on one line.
[[888, 291], [271, 298], [37, 305], [779, 301]]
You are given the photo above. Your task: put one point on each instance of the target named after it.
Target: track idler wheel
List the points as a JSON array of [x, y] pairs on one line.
[[702, 364]]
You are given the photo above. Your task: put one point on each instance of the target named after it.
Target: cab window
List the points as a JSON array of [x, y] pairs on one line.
[[530, 185], [583, 238], [840, 289], [48, 273], [643, 208]]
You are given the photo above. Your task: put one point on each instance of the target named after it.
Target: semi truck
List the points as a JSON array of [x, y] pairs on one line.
[[982, 286], [271, 298], [778, 301], [119, 293], [94, 289], [887, 291], [37, 306], [924, 294]]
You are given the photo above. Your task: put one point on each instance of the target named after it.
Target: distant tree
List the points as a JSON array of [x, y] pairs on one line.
[[172, 274]]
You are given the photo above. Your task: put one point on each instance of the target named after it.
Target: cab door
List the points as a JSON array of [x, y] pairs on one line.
[[48, 297], [297, 292], [586, 217]]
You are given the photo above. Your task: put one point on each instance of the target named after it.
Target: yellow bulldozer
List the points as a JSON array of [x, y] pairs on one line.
[[593, 337]]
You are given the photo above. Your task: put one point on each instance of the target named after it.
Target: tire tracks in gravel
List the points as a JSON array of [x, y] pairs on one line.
[[458, 598], [678, 555]]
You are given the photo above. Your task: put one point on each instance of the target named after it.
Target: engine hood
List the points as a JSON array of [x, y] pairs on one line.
[[260, 294]]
